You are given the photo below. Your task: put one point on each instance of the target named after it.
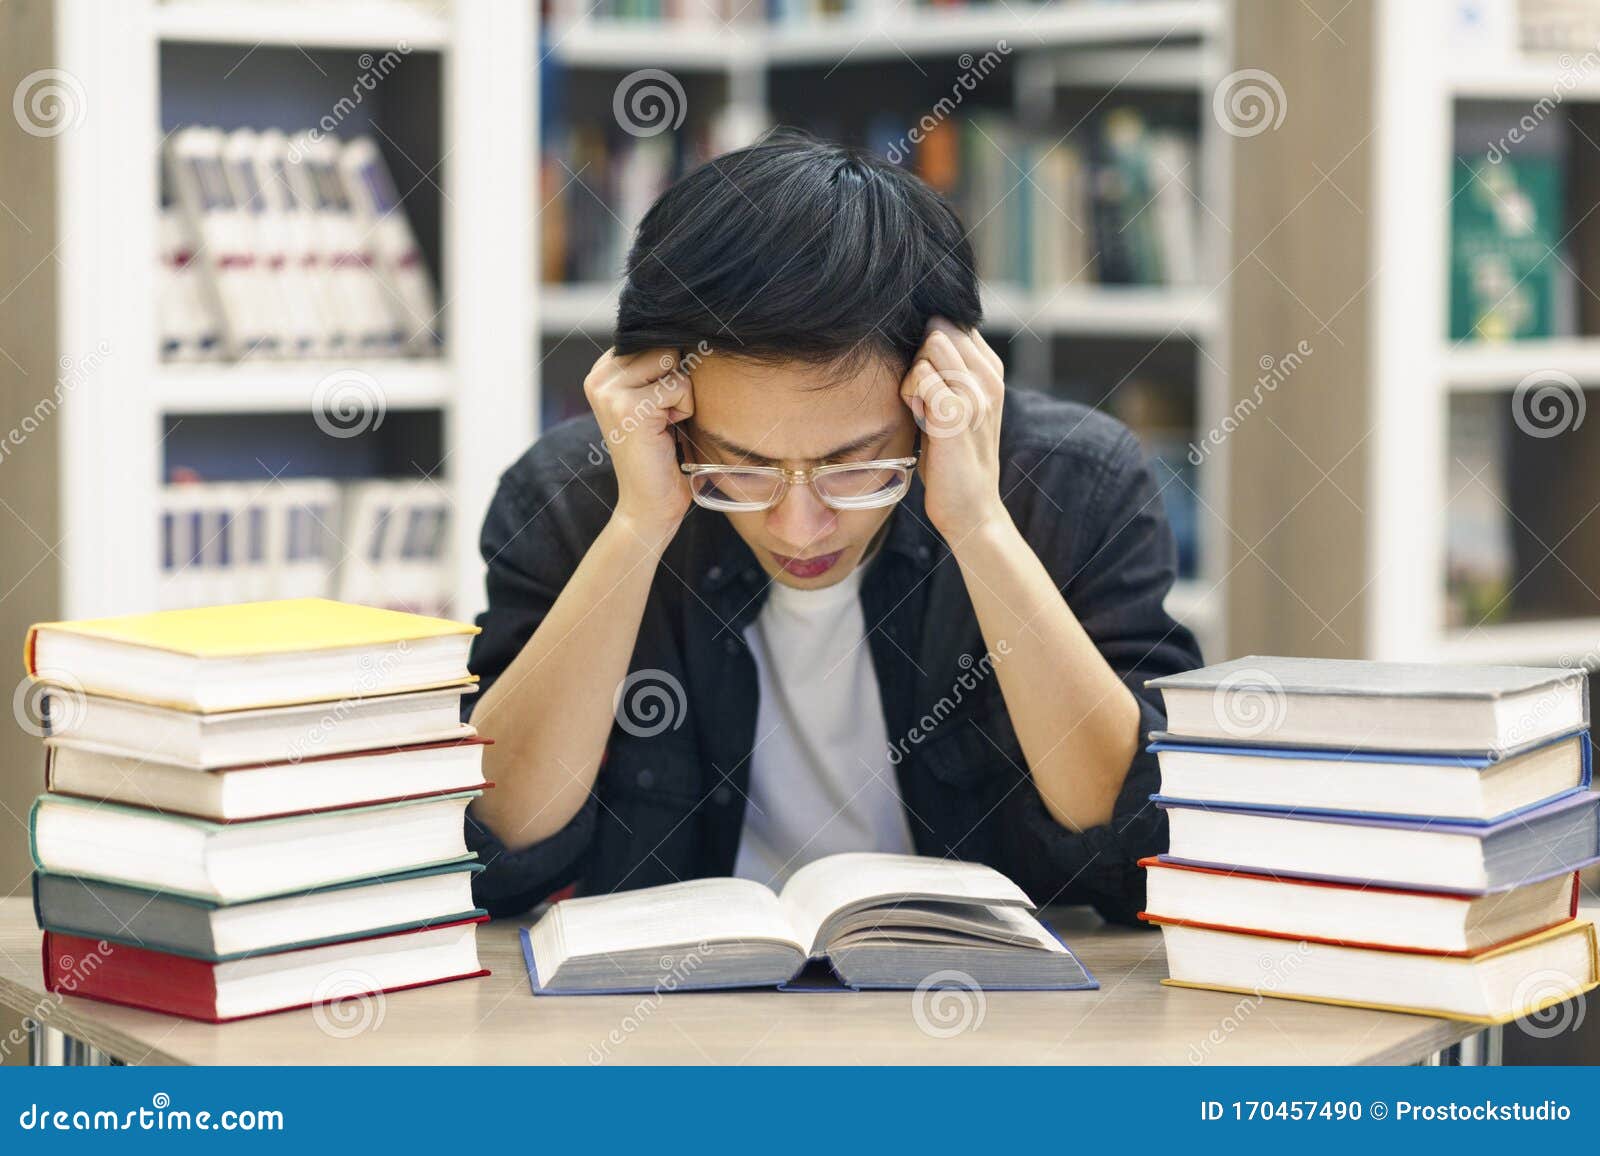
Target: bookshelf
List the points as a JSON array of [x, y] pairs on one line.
[[1064, 61], [143, 67], [1400, 505], [1550, 614]]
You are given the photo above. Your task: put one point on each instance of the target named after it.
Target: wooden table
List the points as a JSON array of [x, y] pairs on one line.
[[1132, 1019]]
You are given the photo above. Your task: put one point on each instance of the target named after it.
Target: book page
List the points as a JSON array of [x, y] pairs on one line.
[[819, 889], [696, 911]]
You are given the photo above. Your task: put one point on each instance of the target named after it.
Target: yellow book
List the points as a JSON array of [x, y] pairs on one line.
[[1524, 977], [250, 655]]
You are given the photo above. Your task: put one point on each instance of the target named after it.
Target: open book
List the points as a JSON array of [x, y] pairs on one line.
[[879, 921]]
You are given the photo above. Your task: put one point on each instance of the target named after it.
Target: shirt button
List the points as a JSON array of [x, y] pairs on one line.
[[714, 573], [645, 778], [750, 575], [722, 796], [731, 645]]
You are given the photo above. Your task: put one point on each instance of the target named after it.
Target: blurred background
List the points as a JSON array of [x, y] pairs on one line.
[[284, 284]]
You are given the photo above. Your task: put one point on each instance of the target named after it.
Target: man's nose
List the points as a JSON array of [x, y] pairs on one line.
[[800, 520]]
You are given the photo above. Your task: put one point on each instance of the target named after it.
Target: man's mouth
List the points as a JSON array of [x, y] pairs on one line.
[[812, 567]]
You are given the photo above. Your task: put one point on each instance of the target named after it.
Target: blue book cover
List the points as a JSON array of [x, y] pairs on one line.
[[1481, 761], [1554, 838]]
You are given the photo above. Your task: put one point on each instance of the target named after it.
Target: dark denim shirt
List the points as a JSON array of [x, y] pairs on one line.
[[670, 805]]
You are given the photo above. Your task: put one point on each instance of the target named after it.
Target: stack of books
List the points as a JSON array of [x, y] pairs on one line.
[[253, 808], [287, 247], [1388, 835]]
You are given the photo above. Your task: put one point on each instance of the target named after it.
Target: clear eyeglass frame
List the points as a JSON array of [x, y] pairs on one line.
[[704, 476]]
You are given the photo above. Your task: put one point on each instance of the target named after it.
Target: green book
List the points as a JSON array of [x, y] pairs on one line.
[[202, 929], [1505, 222]]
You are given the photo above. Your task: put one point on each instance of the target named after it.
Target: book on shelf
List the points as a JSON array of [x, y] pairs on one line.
[[380, 542], [260, 654], [237, 861], [1494, 986], [1350, 704], [1480, 787], [397, 537], [1391, 835], [1355, 914], [314, 781], [561, 14], [289, 219], [234, 281], [1509, 279], [874, 920], [185, 319], [1553, 838], [1480, 556], [299, 247], [202, 929], [270, 982], [178, 737], [1161, 415], [397, 258], [1043, 211]]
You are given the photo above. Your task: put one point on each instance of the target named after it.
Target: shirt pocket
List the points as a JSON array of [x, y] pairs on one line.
[[974, 747], [659, 771]]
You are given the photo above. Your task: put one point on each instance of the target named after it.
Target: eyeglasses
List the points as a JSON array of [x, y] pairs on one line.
[[842, 486]]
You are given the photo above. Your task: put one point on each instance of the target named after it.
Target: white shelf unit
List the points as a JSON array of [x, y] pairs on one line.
[[1158, 46], [1416, 368], [111, 425]]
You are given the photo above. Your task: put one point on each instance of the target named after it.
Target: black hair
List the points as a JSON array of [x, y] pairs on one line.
[[797, 249]]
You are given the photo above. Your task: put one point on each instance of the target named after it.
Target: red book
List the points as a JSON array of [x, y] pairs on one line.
[[274, 982], [1353, 915]]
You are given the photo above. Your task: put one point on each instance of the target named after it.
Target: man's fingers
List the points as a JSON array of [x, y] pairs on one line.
[[986, 351], [633, 370], [951, 402]]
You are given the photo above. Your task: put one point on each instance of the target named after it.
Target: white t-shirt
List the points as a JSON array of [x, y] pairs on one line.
[[820, 778]]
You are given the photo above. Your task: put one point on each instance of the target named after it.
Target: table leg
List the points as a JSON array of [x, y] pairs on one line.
[[1479, 1050], [51, 1048], [47, 1048]]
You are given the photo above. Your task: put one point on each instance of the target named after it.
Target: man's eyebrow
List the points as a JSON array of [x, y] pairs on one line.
[[855, 445]]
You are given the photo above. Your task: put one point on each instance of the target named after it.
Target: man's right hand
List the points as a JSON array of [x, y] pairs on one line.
[[637, 399]]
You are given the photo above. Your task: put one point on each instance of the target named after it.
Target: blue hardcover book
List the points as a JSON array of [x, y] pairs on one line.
[[1424, 854], [855, 921], [1485, 787]]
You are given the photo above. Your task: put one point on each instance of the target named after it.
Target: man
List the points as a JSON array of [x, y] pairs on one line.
[[812, 580]]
